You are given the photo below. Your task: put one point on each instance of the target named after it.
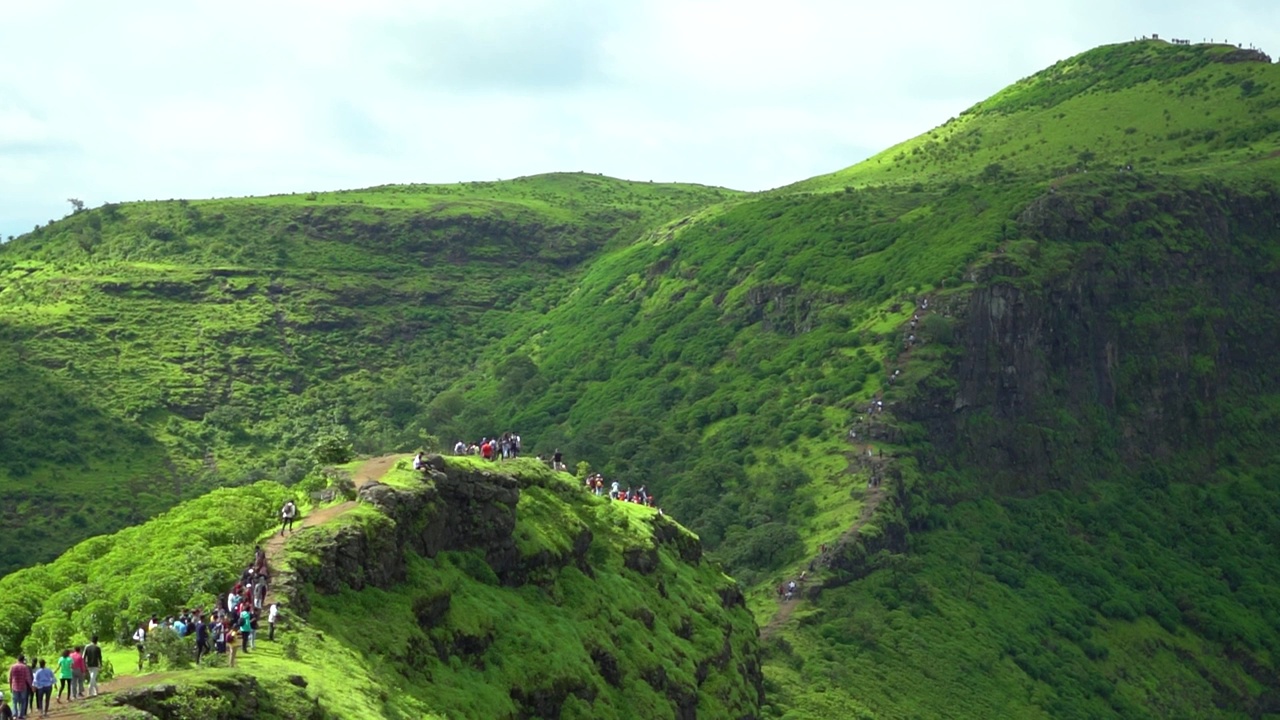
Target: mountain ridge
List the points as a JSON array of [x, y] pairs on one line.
[[1096, 250]]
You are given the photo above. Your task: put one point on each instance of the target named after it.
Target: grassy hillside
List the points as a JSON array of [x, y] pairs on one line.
[[1150, 105], [1094, 342], [1060, 305], [600, 635], [155, 350]]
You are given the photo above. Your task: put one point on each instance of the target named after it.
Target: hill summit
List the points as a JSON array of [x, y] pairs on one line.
[[1147, 104]]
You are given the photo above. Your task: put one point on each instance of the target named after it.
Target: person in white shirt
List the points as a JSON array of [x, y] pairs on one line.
[[272, 615], [140, 639]]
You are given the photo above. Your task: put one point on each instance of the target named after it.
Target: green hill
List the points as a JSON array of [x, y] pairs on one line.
[[1002, 393], [1150, 105], [470, 593], [156, 350]]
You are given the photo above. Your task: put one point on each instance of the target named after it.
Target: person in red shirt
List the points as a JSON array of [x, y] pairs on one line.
[[20, 683], [79, 671], [486, 450]]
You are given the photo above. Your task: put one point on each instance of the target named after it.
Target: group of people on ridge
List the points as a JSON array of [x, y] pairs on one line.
[[236, 617], [595, 483], [506, 447]]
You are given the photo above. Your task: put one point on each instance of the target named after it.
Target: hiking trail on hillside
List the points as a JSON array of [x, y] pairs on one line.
[[369, 471], [866, 457]]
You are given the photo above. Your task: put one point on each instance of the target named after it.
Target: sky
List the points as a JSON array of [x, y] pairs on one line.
[[143, 99]]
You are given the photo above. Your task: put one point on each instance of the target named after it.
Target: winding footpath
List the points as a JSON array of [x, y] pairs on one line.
[[859, 459], [369, 471]]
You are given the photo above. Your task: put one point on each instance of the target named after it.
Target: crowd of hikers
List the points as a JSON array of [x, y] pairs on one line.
[[505, 447], [75, 672], [231, 626], [595, 483]]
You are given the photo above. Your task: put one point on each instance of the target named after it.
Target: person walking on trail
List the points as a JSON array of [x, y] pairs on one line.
[[78, 672], [231, 648], [44, 688], [93, 661], [557, 460], [202, 638], [287, 515], [64, 676], [246, 629], [272, 615], [21, 681], [140, 639]]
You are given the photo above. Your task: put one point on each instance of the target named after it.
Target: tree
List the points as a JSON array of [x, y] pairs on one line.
[[77, 205], [333, 447]]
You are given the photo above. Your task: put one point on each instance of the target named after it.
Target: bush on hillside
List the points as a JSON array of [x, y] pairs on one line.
[[172, 650], [334, 447]]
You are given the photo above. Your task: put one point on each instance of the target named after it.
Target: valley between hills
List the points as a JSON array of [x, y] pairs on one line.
[[997, 399]]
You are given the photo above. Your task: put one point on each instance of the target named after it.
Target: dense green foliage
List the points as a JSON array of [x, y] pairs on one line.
[[161, 349], [594, 640], [1078, 448]]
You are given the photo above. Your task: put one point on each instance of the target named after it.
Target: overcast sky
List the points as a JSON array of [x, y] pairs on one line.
[[142, 99]]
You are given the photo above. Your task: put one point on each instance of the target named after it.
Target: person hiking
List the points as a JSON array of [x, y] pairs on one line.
[[231, 648], [202, 638], [78, 672], [64, 675], [20, 683], [287, 515], [246, 629], [557, 460], [140, 639], [44, 688], [272, 616]]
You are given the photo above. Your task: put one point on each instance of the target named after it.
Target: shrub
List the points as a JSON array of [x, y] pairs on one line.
[[290, 648], [173, 651]]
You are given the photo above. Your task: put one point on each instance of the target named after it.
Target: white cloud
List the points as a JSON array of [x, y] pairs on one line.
[[149, 99]]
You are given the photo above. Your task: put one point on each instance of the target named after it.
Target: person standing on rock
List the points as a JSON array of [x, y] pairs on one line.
[[287, 515]]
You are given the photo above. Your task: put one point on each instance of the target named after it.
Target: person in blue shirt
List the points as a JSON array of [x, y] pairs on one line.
[[44, 688]]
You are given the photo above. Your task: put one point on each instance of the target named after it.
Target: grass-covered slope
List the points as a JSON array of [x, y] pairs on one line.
[[163, 348], [1063, 507], [1148, 104], [559, 604], [1093, 358]]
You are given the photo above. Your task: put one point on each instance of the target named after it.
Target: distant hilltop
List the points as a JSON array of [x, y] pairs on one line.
[[1251, 53]]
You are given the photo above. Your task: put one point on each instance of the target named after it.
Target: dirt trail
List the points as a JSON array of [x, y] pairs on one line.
[[369, 471], [875, 464], [93, 708]]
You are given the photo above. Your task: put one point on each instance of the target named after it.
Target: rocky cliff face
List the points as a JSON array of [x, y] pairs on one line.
[[479, 512], [1127, 332]]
